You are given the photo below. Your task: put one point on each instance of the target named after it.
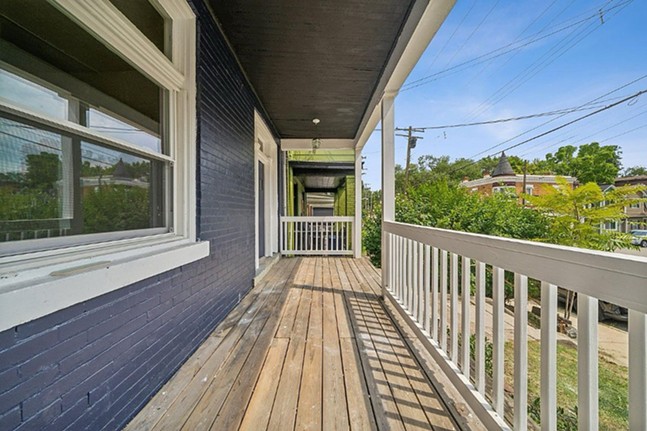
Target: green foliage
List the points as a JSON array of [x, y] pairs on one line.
[[445, 205], [43, 170], [372, 233], [489, 348], [27, 205], [576, 215], [592, 163], [635, 171], [115, 207]]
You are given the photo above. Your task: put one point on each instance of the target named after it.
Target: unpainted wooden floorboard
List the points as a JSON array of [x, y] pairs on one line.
[[181, 406], [205, 411], [335, 408], [231, 413], [311, 347], [382, 402]]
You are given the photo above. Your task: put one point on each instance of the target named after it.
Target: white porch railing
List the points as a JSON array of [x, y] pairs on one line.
[[425, 284], [317, 235]]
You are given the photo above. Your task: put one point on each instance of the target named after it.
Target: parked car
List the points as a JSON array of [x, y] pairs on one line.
[[639, 237], [606, 310]]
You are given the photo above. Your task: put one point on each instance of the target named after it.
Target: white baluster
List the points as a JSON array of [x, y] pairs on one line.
[[520, 352], [548, 356]]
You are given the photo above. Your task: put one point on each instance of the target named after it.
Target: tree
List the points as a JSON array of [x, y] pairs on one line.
[[635, 171], [592, 163], [576, 216], [43, 170]]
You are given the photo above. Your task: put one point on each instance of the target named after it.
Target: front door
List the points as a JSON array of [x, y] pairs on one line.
[[261, 209]]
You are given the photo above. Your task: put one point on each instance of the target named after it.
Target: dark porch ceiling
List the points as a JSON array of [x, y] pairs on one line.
[[322, 177], [313, 59]]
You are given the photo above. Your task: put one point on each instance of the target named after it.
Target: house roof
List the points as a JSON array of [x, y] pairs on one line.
[[503, 168], [327, 59]]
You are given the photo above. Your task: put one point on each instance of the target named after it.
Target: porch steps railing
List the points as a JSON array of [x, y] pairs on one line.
[[317, 235], [425, 272]]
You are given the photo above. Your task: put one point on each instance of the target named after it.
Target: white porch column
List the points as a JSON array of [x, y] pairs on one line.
[[357, 240], [388, 176]]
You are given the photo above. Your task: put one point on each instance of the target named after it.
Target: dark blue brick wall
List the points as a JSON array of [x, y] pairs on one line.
[[95, 364]]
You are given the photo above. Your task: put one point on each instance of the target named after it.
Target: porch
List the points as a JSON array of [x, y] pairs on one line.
[[310, 347]]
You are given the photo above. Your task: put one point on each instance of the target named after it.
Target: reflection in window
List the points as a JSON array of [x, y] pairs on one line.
[[110, 126], [53, 184], [32, 96]]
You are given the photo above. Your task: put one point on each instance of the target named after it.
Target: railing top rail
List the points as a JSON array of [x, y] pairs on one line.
[[616, 278], [318, 218]]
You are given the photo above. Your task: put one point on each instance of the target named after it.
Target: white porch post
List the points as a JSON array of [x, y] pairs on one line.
[[357, 240], [388, 177]]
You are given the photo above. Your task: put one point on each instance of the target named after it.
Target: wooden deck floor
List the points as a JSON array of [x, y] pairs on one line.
[[310, 348]]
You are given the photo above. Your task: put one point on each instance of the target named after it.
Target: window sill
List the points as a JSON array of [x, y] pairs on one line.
[[33, 288]]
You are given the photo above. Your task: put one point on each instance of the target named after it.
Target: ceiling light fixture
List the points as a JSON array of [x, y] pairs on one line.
[[316, 142]]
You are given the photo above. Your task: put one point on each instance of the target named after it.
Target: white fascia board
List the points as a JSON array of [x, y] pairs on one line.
[[326, 144], [412, 43]]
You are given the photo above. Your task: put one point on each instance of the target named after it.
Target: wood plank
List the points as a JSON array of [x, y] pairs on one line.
[[205, 411], [310, 393], [173, 389], [315, 326], [259, 409], [382, 401], [411, 411], [433, 408], [360, 413], [343, 322], [300, 328], [231, 413], [291, 306], [429, 399], [335, 411], [285, 404], [177, 413]]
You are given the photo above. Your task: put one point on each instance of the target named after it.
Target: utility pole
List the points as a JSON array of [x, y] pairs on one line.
[[525, 170], [411, 144]]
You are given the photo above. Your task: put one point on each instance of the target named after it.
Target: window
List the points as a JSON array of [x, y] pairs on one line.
[[97, 149], [57, 183], [530, 189], [510, 191]]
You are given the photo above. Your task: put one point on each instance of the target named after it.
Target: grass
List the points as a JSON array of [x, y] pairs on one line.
[[613, 384]]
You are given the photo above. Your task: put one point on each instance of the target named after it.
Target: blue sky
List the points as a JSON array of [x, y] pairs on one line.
[[571, 57]]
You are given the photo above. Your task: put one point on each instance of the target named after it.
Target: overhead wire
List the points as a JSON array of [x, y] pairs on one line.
[[597, 99], [476, 29], [639, 93], [498, 52], [514, 54], [559, 49]]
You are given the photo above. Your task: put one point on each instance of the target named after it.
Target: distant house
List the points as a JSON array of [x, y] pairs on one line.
[[505, 180], [636, 213]]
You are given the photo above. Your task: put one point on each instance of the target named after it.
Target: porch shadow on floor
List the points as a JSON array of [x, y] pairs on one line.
[[310, 347]]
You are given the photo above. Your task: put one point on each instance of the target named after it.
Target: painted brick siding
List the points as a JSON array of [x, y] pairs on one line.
[[95, 364]]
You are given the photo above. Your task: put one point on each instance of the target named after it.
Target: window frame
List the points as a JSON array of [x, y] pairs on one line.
[[34, 284]]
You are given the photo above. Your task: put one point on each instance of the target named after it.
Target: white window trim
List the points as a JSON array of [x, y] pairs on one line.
[[37, 284], [266, 151]]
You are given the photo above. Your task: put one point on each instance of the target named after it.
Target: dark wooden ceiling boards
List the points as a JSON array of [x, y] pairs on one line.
[[313, 59]]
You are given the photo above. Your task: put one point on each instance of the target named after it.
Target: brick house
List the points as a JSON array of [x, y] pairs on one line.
[[504, 180]]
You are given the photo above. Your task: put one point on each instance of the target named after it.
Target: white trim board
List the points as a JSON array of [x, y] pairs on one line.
[[36, 284], [54, 287]]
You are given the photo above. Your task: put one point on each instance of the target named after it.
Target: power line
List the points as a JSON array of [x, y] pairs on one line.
[[480, 24], [560, 127], [513, 46], [521, 117], [597, 132], [558, 50], [597, 99]]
